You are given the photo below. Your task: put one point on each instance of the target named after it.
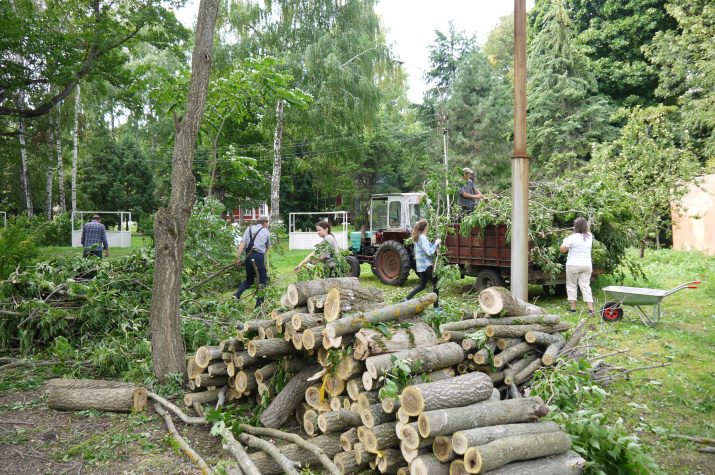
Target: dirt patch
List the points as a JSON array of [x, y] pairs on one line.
[[35, 439]]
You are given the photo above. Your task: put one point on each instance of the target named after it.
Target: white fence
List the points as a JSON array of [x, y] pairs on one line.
[[308, 239], [114, 238]]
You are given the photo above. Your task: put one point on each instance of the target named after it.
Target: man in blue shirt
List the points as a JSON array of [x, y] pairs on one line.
[[94, 234], [256, 241]]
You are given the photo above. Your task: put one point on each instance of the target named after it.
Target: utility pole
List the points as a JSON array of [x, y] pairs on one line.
[[519, 277], [444, 146]]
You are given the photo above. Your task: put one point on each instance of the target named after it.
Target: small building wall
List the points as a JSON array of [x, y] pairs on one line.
[[690, 233]]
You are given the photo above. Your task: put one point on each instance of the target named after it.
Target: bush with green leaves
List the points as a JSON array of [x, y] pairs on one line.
[[573, 399], [17, 246], [57, 232]]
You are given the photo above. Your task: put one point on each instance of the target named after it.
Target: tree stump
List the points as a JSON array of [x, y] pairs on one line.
[[496, 300]]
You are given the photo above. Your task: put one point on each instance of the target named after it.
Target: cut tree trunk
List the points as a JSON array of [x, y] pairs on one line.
[[487, 413], [428, 465], [552, 351], [518, 331], [368, 398], [339, 301], [347, 463], [246, 381], [204, 381], [206, 397], [106, 399], [516, 367], [352, 418], [361, 453], [59, 383], [526, 373], [329, 443], [252, 326], [370, 342], [349, 438], [512, 352], [569, 463], [167, 340], [373, 415], [348, 367], [266, 372], [511, 449], [302, 321], [462, 440], [299, 292], [389, 460], [433, 358], [442, 449], [311, 337], [353, 323], [381, 437], [277, 412], [483, 322], [329, 422], [454, 392], [271, 347], [496, 300], [481, 357], [206, 354]]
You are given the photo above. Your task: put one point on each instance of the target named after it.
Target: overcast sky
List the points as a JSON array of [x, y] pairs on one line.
[[411, 24]]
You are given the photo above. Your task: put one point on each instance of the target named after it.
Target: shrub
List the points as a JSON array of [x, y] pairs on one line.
[[17, 247], [57, 232]]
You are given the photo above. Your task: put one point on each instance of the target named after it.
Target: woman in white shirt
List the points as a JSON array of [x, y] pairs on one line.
[[324, 230], [578, 264]]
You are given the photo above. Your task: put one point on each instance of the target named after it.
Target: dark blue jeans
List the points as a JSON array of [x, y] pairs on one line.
[[425, 277], [89, 252], [260, 261]]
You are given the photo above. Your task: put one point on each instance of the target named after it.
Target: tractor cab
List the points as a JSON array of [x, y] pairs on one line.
[[392, 218]]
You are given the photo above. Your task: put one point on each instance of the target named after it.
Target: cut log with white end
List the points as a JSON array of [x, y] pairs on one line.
[[368, 398], [367, 381], [462, 440], [511, 449], [329, 422], [512, 352], [299, 292], [371, 342], [515, 367], [347, 463], [348, 367], [120, 399], [272, 347], [311, 337], [389, 461], [246, 381], [340, 301], [373, 415], [498, 300], [353, 323], [390, 405], [288, 399], [428, 465], [442, 449], [477, 323], [348, 439], [205, 354], [527, 372], [410, 435], [205, 397], [301, 321], [456, 467], [381, 437], [266, 372], [487, 413], [361, 453], [410, 454], [454, 392], [432, 358]]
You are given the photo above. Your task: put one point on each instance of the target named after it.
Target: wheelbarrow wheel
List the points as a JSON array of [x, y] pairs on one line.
[[611, 312]]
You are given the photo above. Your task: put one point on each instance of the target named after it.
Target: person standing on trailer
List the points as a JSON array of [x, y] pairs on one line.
[[256, 242], [468, 194], [578, 264]]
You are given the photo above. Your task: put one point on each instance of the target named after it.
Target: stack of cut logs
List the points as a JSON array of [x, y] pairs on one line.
[[462, 414]]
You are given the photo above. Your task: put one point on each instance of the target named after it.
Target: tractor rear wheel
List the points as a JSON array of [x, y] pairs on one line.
[[354, 264], [489, 278], [392, 262]]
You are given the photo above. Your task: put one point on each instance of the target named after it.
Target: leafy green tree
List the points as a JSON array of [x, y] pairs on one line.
[[48, 47], [565, 114], [480, 110], [686, 66], [616, 33], [446, 54], [499, 47]]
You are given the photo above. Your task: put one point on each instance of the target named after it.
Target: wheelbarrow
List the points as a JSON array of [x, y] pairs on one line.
[[616, 297]]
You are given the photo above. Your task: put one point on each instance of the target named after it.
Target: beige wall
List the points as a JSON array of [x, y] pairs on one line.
[[699, 234]]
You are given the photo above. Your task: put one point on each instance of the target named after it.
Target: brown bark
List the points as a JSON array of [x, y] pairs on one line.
[[301, 321], [288, 399], [329, 422], [487, 413], [513, 352], [381, 437], [204, 381], [206, 354], [361, 453], [352, 418], [348, 439], [329, 443], [339, 301], [507, 342], [462, 440], [569, 463], [496, 300], [433, 358], [167, 342], [265, 372], [218, 369], [59, 383], [428, 465], [353, 323], [476, 323], [454, 392], [272, 347], [119, 399], [299, 292], [510, 449], [518, 331], [347, 463], [368, 398], [246, 381], [230, 345], [252, 326], [373, 415], [389, 460], [370, 342]]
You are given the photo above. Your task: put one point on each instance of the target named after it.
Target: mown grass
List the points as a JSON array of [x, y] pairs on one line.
[[138, 241]]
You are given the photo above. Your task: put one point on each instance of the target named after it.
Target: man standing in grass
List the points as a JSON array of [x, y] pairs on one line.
[[256, 242], [93, 234]]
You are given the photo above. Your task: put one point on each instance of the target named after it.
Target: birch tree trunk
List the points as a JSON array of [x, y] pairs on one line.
[[60, 166], [74, 154], [25, 177], [277, 151], [50, 169], [167, 343]]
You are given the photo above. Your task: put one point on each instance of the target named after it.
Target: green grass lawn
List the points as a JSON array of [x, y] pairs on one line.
[[138, 241]]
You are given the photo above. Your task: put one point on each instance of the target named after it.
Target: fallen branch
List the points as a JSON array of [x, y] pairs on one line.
[[700, 440], [296, 439], [35, 364], [236, 449], [707, 450], [213, 275], [609, 354], [184, 418], [287, 465], [182, 443]]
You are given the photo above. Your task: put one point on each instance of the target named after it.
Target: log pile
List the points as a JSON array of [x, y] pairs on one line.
[[457, 416]]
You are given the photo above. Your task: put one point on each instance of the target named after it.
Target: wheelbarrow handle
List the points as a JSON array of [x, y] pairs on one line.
[[682, 286], [692, 286]]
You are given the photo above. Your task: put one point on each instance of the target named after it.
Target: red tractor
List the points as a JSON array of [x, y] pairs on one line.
[[485, 255]]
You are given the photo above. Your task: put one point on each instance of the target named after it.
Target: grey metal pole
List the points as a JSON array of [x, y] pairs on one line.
[[520, 163]]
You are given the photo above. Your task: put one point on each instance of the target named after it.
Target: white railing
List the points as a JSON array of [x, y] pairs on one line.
[[308, 239], [114, 238]]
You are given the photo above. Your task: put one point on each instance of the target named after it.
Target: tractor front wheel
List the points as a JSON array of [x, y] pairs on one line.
[[354, 264], [392, 262]]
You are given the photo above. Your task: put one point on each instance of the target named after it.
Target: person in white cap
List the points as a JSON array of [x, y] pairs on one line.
[[256, 242], [468, 194]]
